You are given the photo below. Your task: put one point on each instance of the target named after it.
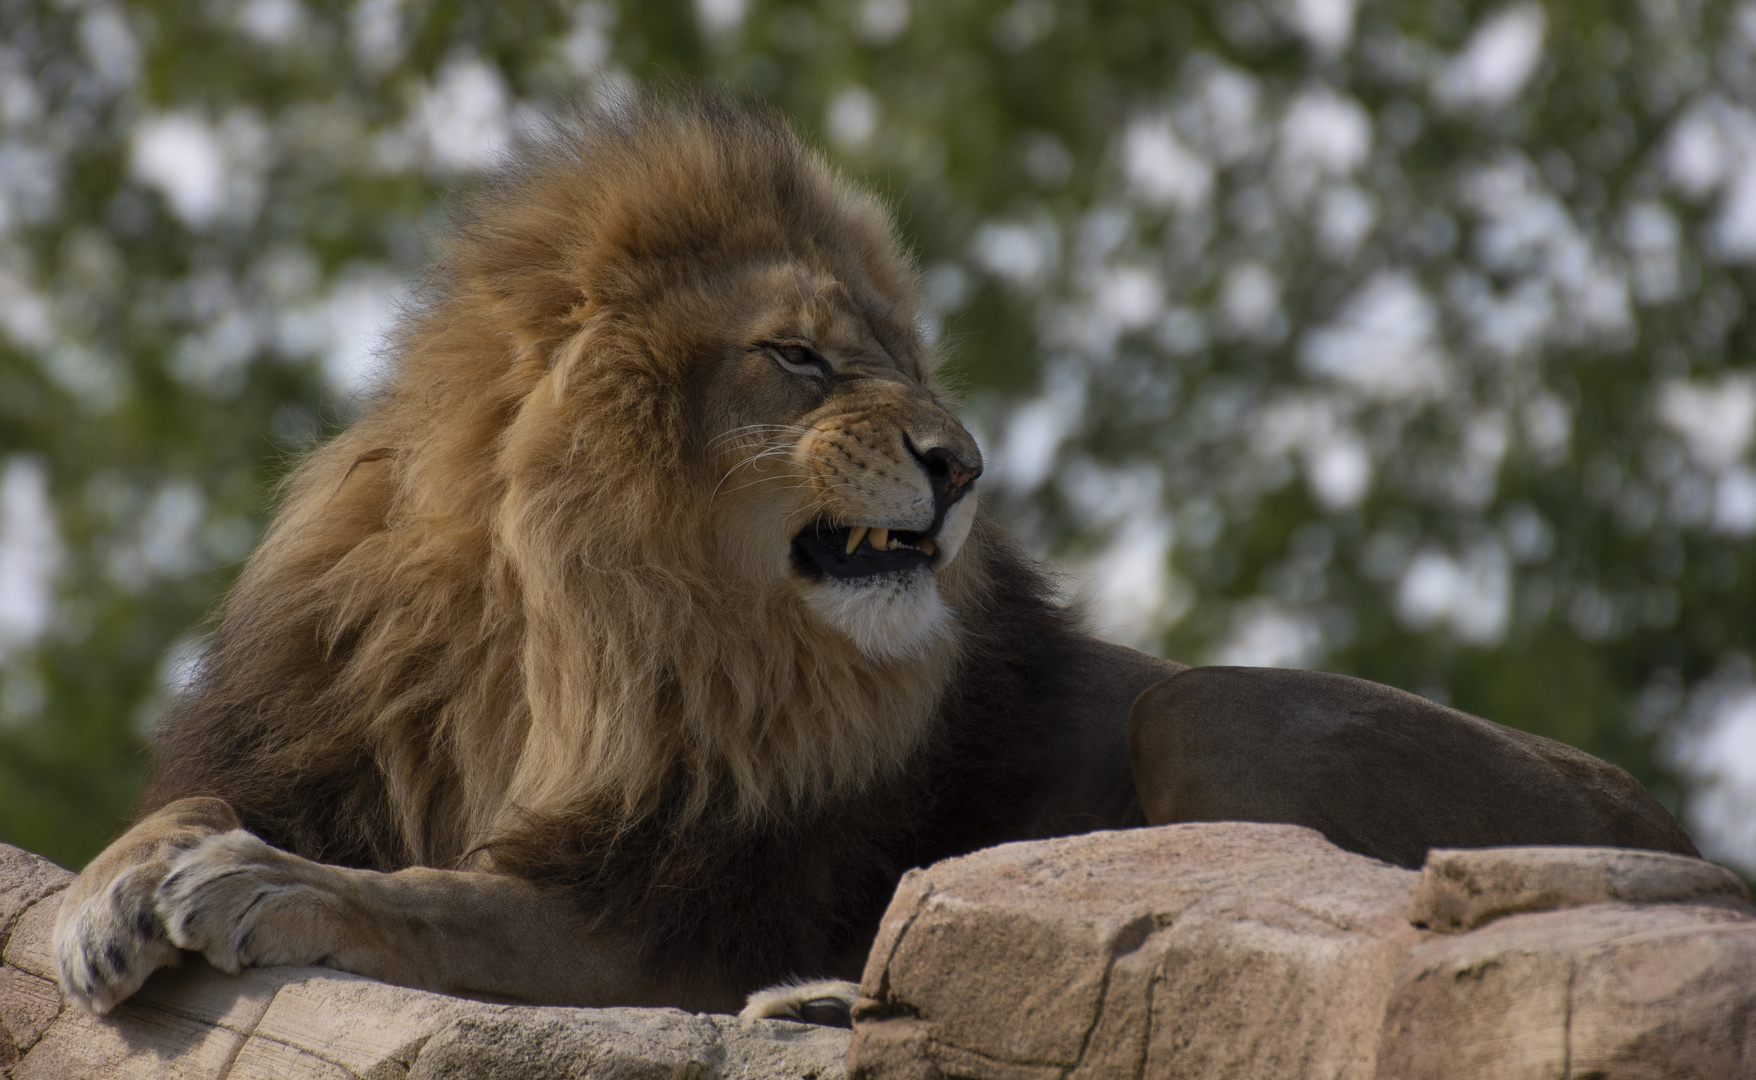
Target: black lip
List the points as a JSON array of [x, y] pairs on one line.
[[821, 550]]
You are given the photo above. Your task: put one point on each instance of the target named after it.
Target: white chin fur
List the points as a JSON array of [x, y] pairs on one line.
[[887, 616]]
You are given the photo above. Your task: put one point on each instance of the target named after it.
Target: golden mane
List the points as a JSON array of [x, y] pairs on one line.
[[503, 582]]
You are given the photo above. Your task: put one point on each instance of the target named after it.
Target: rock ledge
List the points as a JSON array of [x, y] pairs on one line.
[[1262, 951], [1209, 950]]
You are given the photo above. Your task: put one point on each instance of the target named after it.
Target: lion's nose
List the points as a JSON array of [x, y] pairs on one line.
[[950, 473]]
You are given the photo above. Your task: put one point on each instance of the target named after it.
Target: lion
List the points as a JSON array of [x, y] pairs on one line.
[[642, 631]]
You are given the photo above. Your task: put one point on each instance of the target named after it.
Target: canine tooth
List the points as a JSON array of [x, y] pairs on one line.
[[854, 537], [927, 548], [880, 539]]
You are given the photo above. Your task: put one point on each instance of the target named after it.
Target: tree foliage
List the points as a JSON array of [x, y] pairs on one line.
[[1402, 339]]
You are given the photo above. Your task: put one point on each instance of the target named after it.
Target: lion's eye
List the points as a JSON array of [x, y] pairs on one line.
[[801, 360]]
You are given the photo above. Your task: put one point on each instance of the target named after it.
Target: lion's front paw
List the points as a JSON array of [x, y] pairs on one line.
[[241, 903], [828, 1002], [106, 945]]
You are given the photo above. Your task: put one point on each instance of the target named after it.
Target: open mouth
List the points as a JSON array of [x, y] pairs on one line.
[[838, 551]]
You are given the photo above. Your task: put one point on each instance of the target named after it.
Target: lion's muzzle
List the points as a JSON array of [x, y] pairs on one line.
[[892, 479], [930, 468]]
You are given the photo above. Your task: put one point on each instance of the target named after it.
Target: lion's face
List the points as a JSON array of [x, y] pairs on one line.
[[837, 472]]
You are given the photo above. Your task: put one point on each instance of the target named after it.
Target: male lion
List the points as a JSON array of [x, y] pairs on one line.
[[642, 631]]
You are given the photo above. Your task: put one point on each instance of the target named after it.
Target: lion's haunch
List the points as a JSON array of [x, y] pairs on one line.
[[1376, 770]]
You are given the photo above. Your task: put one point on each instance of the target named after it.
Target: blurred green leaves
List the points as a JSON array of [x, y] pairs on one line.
[[1403, 339]]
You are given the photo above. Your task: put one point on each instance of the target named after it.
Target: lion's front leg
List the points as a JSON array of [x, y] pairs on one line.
[[243, 903], [108, 935]]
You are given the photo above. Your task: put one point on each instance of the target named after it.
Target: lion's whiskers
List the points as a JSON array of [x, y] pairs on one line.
[[773, 451], [791, 429]]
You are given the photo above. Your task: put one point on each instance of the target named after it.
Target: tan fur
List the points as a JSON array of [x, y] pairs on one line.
[[591, 584], [548, 570]]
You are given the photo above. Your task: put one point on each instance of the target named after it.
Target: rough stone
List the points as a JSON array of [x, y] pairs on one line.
[[1462, 888], [27, 1003], [25, 879], [1196, 950], [627, 1044], [1187, 950], [1261, 951], [1608, 990]]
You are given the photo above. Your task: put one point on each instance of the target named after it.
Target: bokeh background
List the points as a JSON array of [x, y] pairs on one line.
[[1405, 339]]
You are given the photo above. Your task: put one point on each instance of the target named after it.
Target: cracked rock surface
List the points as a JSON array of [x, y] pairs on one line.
[[1205, 950], [316, 1024], [1262, 951]]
